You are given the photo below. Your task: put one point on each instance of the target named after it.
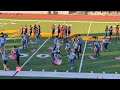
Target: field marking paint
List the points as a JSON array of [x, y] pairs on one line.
[[35, 23], [60, 21], [31, 57], [3, 24], [12, 23], [84, 49], [43, 55], [68, 21], [35, 53], [38, 22], [11, 36]]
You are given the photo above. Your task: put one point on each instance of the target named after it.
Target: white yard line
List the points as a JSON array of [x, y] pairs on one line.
[[68, 21], [7, 23], [60, 21], [11, 36], [84, 49], [34, 53], [15, 34], [37, 50]]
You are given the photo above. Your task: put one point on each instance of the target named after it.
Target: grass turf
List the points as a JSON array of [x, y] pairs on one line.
[[106, 63]]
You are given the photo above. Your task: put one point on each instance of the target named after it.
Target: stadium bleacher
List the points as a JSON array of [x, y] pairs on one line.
[[101, 13]]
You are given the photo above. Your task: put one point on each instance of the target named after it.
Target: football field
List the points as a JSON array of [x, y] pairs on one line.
[[106, 63]]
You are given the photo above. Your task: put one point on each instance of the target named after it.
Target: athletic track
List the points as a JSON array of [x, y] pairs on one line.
[[60, 16]]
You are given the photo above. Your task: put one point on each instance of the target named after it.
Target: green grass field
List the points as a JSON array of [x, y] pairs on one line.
[[106, 63]]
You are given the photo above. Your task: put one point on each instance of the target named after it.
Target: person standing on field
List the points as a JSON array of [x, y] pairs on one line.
[[31, 30], [53, 30], [39, 30], [65, 38], [26, 29], [35, 29], [76, 48], [97, 46], [117, 32], [2, 41], [106, 31], [55, 41], [72, 57], [27, 38], [105, 43], [24, 44], [111, 31], [21, 30], [4, 59], [80, 40], [69, 31], [62, 31], [17, 52], [68, 47], [59, 27], [37, 38]]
